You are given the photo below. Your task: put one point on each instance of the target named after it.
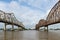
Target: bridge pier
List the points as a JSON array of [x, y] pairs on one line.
[[18, 28], [5, 27], [46, 27], [37, 28], [12, 28]]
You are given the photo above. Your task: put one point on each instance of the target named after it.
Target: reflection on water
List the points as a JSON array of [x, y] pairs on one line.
[[8, 37], [30, 35]]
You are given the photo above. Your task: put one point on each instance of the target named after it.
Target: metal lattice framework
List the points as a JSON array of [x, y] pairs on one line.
[[52, 18], [9, 18]]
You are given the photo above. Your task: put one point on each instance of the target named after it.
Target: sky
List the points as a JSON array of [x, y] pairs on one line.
[[29, 12]]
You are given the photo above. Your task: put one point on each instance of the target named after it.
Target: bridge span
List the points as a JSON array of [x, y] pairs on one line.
[[52, 18], [10, 19]]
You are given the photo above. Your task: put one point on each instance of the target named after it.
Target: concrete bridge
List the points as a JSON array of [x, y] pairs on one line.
[[10, 19], [52, 18]]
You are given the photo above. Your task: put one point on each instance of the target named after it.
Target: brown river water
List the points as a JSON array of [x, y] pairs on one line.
[[30, 35]]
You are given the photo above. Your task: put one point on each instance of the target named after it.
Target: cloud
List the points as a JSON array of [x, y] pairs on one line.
[[27, 11]]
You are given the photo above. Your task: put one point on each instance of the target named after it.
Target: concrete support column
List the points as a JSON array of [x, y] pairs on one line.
[[44, 29], [47, 28], [12, 27], [38, 29], [5, 27], [18, 28]]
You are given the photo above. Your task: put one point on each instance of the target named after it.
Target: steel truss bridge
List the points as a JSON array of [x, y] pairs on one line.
[[52, 18], [10, 19]]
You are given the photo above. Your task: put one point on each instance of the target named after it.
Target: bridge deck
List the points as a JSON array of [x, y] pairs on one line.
[[52, 18], [9, 18]]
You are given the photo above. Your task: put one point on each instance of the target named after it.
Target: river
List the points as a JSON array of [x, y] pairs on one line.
[[30, 35]]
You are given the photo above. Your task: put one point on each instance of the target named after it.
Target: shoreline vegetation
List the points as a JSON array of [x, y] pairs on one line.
[[9, 29], [52, 29]]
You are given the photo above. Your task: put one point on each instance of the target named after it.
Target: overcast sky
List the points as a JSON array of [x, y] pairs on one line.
[[29, 12]]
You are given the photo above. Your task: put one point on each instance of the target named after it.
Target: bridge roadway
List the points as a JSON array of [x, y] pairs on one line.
[[52, 18], [10, 19]]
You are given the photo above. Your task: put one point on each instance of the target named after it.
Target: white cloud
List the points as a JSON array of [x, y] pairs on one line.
[[28, 16], [19, 11]]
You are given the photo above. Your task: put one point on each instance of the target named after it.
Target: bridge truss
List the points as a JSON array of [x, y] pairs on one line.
[[10, 19], [52, 18]]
